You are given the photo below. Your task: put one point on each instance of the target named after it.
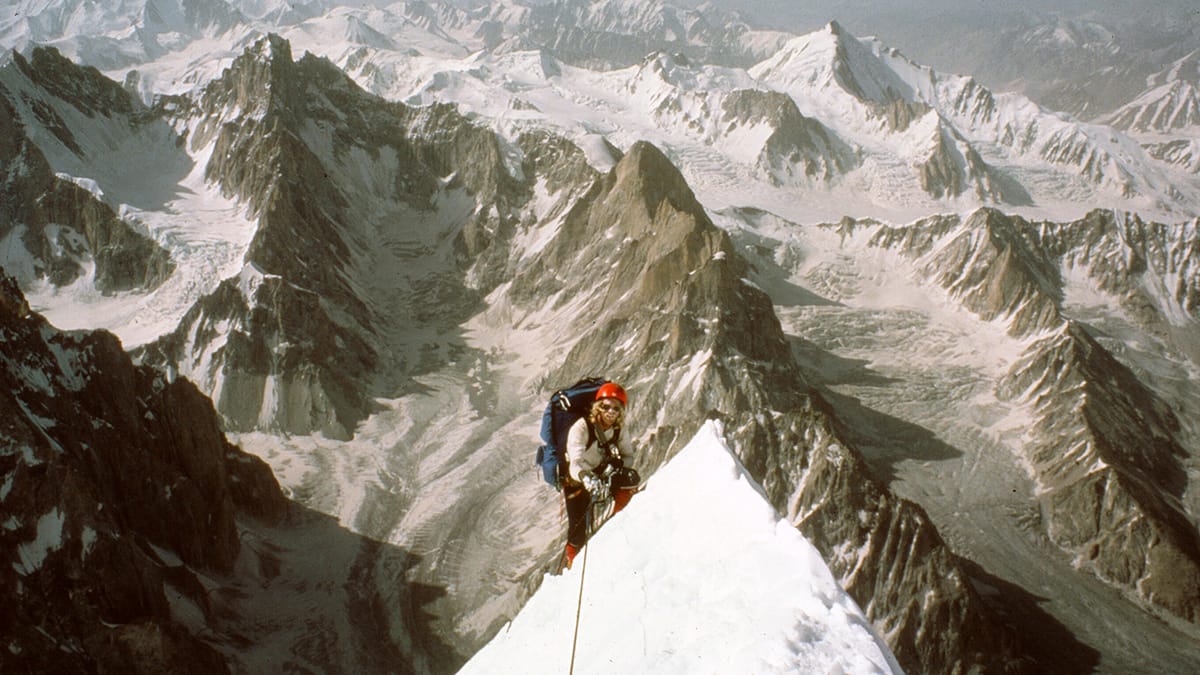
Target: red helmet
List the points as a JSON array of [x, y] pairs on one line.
[[612, 390]]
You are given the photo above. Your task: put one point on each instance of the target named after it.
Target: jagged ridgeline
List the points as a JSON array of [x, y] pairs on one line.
[[1106, 448], [367, 214], [55, 228], [389, 237], [670, 312], [382, 227]]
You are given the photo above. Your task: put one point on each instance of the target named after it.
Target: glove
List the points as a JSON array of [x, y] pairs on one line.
[[595, 486]]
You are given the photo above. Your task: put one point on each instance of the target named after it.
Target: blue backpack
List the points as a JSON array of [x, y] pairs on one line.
[[565, 407]]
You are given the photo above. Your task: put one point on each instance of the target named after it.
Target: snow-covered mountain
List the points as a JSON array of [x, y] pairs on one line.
[[1166, 116], [939, 139], [983, 139], [377, 235], [1171, 102], [1086, 59]]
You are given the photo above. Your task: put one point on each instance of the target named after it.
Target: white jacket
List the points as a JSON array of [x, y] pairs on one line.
[[583, 457]]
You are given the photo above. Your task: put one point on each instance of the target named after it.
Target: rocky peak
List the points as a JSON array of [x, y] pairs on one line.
[[349, 191], [646, 172], [251, 84], [60, 227], [1106, 455], [640, 215], [799, 148], [81, 86], [994, 264], [672, 315], [953, 166]]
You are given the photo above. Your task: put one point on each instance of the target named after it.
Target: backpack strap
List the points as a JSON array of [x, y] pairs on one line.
[[613, 441], [594, 437]]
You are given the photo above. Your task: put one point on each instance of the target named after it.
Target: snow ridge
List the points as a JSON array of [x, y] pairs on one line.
[[699, 574]]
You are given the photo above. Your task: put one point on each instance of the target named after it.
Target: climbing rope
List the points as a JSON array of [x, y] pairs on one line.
[[578, 608], [596, 515]]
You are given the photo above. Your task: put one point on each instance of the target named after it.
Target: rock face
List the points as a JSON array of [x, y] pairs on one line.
[[954, 167], [696, 339], [390, 238], [1105, 450], [116, 485], [798, 148], [54, 228], [1109, 469], [350, 192]]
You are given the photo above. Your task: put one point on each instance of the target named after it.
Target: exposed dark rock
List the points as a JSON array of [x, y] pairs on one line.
[[266, 376], [320, 241], [697, 341], [954, 167], [116, 485], [1123, 253], [62, 226], [1106, 451], [1183, 153], [997, 268], [83, 87], [798, 143], [1107, 457]]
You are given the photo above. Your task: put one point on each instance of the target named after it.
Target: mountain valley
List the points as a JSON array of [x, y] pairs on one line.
[[950, 332]]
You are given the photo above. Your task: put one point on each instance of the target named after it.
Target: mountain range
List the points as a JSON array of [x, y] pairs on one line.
[[950, 332]]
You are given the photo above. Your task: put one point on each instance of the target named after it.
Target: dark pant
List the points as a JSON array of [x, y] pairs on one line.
[[577, 501], [622, 484]]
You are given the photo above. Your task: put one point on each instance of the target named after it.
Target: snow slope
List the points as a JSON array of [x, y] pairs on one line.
[[699, 574]]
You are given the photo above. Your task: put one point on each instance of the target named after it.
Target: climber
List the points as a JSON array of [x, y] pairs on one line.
[[596, 456]]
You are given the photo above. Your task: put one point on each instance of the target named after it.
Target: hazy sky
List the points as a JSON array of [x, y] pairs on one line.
[[813, 11]]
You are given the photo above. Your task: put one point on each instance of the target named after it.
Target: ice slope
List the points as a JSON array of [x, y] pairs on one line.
[[699, 574]]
